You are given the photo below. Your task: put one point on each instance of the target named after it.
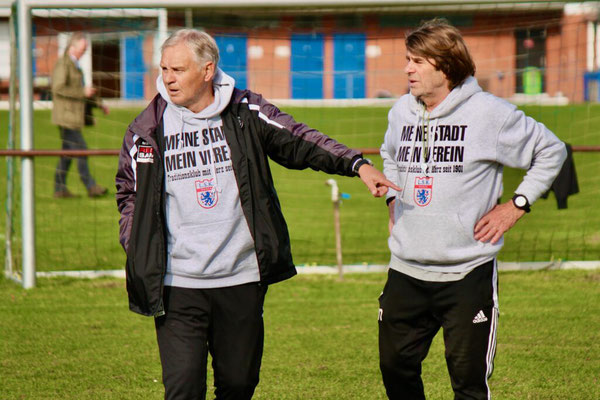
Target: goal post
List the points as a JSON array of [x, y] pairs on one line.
[[26, 135], [10, 143], [23, 10]]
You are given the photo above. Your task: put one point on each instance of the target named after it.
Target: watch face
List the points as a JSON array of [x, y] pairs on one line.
[[520, 201]]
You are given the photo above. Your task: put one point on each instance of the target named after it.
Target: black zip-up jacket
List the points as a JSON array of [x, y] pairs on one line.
[[255, 131]]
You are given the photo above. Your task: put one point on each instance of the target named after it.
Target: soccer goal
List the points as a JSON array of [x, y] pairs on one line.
[[335, 65]]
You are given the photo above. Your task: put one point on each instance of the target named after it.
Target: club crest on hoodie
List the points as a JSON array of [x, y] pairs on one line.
[[206, 193], [423, 190]]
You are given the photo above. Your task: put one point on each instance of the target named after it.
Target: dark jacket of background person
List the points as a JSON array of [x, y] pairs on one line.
[[68, 94], [565, 183], [141, 194]]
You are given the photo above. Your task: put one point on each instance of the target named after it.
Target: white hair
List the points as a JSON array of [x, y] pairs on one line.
[[203, 46]]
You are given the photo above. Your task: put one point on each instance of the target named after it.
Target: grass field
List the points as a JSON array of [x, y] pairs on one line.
[[82, 233], [75, 339]]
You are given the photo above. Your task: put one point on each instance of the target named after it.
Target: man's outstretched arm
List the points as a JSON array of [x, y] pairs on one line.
[[376, 181]]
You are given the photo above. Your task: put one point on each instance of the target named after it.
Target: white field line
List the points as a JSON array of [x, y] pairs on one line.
[[360, 268]]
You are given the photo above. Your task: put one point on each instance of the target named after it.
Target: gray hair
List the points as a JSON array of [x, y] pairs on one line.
[[201, 43], [73, 39]]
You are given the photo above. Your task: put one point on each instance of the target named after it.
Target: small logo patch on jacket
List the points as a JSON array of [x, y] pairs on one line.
[[145, 154]]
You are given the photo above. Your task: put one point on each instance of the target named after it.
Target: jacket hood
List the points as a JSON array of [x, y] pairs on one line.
[[223, 85], [456, 97]]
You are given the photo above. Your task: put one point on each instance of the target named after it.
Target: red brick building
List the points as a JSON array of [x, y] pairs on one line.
[[342, 53]]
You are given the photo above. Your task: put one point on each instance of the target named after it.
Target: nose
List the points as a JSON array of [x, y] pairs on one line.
[[168, 76], [409, 68]]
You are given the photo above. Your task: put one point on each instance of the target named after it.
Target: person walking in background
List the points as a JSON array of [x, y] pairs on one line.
[[68, 112], [445, 146], [200, 220]]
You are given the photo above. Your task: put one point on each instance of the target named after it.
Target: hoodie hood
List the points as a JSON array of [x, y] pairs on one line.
[[223, 85], [456, 97]]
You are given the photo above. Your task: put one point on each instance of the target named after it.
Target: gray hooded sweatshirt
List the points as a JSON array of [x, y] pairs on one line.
[[469, 137], [209, 242]]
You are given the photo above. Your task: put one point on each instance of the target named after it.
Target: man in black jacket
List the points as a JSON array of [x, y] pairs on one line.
[[200, 219]]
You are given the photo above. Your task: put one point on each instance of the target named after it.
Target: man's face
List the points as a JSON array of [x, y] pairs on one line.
[[78, 48], [187, 82], [425, 81]]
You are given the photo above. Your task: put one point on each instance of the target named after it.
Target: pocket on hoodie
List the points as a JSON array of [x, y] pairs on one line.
[[432, 239], [215, 246]]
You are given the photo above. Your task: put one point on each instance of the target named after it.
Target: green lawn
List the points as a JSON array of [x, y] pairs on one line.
[[82, 233], [75, 339]]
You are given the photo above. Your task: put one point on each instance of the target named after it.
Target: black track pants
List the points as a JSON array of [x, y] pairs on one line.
[[227, 322], [72, 139], [411, 313]]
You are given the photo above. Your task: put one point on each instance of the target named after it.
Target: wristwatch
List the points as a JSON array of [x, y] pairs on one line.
[[359, 163], [521, 202]]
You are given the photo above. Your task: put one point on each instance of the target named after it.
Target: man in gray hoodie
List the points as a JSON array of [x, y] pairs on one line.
[[445, 146], [200, 219]]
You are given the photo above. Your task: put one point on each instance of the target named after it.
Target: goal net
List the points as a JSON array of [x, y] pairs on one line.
[[338, 69]]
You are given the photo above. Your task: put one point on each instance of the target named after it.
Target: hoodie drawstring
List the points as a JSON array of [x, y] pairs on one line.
[[410, 161], [212, 154], [426, 148], [180, 143], [424, 141], [212, 150]]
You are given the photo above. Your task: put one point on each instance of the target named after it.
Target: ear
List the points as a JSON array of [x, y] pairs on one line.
[[210, 71]]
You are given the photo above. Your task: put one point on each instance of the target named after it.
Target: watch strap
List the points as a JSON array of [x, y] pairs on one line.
[[359, 163], [517, 198]]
